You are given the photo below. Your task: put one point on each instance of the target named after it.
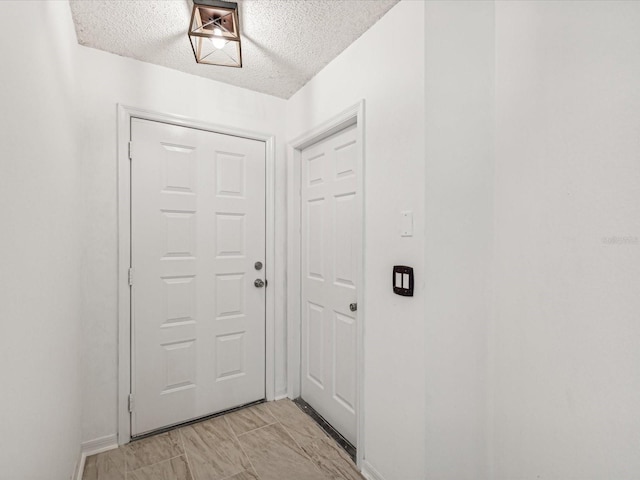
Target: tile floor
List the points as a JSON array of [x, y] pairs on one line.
[[270, 441]]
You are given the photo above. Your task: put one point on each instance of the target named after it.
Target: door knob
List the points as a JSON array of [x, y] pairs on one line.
[[353, 307], [258, 283]]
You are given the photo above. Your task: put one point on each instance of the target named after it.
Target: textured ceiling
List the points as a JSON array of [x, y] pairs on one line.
[[284, 42]]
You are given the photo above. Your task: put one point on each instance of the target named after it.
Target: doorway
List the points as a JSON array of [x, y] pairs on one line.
[[197, 273], [325, 262], [196, 255]]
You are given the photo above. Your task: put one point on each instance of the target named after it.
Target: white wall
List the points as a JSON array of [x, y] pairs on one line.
[[532, 295], [106, 80], [566, 353], [512, 129], [459, 66], [387, 71], [39, 243]]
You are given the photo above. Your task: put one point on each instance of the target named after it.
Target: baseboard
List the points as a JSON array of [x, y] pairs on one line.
[[281, 396], [92, 447], [369, 472], [77, 475], [99, 445]]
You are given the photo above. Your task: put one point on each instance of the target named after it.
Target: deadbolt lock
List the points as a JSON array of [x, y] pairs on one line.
[[258, 265], [353, 307]]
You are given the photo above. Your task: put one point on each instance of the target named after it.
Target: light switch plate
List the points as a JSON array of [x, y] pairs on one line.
[[403, 280], [406, 224]]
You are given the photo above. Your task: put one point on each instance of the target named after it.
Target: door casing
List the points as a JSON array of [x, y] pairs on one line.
[[353, 115], [125, 114]]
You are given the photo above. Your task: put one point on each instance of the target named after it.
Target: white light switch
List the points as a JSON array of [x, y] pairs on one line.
[[406, 224], [398, 280]]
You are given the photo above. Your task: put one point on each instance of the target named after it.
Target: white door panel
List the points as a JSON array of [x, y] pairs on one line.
[[198, 223], [331, 243]]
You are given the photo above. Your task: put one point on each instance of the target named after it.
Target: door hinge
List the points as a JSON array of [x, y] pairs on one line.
[[130, 276], [130, 150], [131, 403]]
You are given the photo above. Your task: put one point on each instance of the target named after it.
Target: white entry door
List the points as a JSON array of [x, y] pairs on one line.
[[197, 229], [331, 243]]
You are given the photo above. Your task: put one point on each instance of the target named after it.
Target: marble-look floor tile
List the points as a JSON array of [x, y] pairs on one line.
[[173, 469], [250, 418], [327, 428], [148, 451], [213, 450], [331, 459], [276, 456], [274, 441], [226, 460], [246, 475], [301, 427], [105, 466], [206, 434]]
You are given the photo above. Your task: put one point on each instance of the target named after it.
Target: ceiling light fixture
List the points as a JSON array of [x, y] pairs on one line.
[[215, 33]]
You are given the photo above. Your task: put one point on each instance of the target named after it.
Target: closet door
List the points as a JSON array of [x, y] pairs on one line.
[[331, 243]]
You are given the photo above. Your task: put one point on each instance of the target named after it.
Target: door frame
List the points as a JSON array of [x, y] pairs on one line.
[[353, 115], [125, 364]]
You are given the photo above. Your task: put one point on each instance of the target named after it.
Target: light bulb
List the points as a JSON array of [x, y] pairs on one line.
[[218, 41]]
